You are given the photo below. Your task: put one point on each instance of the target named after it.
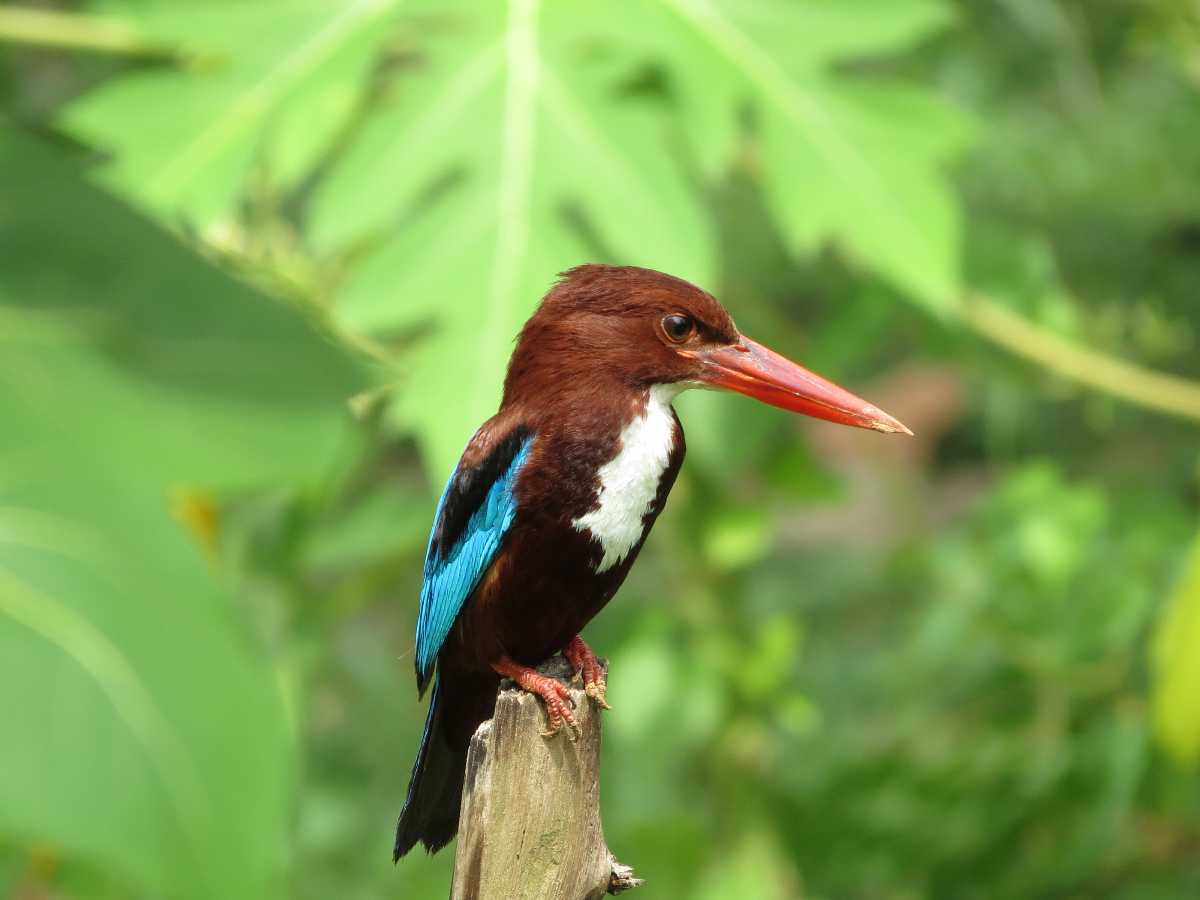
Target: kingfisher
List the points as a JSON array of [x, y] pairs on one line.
[[554, 496]]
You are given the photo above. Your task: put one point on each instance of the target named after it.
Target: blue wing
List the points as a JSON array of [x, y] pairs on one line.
[[475, 512]]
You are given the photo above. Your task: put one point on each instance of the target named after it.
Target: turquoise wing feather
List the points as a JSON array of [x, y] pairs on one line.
[[476, 511]]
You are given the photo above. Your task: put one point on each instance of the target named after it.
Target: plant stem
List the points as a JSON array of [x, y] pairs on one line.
[[72, 31], [1164, 393]]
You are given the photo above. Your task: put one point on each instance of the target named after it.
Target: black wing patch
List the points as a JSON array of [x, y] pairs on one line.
[[467, 490]]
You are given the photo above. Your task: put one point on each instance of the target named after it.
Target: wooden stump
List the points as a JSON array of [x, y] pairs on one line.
[[530, 822]]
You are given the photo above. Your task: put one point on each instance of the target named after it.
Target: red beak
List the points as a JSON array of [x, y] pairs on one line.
[[759, 372]]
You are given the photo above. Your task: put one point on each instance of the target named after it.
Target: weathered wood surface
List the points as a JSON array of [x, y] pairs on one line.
[[530, 822]]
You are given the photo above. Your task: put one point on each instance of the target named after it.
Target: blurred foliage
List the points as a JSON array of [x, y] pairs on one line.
[[144, 732], [954, 667]]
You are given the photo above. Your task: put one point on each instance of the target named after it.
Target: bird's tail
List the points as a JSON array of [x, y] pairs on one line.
[[430, 814]]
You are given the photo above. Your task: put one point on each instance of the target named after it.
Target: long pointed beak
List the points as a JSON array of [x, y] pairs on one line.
[[759, 372]]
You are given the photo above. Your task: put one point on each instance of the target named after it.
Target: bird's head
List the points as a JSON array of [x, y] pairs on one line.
[[638, 327]]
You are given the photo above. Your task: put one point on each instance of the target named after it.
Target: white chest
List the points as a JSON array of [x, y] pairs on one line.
[[629, 481]]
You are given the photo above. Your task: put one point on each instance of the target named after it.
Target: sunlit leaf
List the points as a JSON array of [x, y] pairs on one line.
[[512, 146], [547, 166], [854, 159], [1177, 667], [271, 82]]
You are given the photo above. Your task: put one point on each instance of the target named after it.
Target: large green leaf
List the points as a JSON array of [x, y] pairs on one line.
[[854, 159], [272, 81], [143, 736], [522, 104], [515, 142], [551, 167]]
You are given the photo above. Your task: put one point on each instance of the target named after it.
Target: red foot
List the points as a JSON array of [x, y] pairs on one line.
[[553, 693], [583, 660]]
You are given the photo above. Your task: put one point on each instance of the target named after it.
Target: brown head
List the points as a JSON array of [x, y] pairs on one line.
[[621, 328]]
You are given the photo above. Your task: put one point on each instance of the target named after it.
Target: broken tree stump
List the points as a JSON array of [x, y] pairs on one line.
[[529, 828]]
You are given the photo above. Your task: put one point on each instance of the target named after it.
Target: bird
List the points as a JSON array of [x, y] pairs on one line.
[[554, 496]]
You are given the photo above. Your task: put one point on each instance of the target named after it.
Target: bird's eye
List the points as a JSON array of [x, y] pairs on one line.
[[678, 328]]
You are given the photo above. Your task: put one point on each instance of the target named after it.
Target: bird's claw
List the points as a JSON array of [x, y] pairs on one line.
[[555, 695], [596, 690], [559, 706], [588, 670]]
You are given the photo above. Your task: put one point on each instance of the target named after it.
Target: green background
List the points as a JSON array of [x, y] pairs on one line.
[[261, 264]]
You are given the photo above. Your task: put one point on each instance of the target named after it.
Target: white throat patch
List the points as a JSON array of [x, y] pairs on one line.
[[629, 481]]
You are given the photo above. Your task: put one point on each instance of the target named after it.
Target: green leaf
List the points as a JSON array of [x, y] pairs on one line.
[[144, 736], [851, 159], [548, 166], [514, 142], [1177, 667], [229, 377], [476, 263], [272, 82]]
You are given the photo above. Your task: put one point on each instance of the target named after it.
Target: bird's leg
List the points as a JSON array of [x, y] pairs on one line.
[[553, 693], [583, 660]]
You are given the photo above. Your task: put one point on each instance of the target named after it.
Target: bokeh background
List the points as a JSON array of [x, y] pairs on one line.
[[261, 264]]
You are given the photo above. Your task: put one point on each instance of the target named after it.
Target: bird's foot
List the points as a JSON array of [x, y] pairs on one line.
[[554, 694], [583, 660]]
